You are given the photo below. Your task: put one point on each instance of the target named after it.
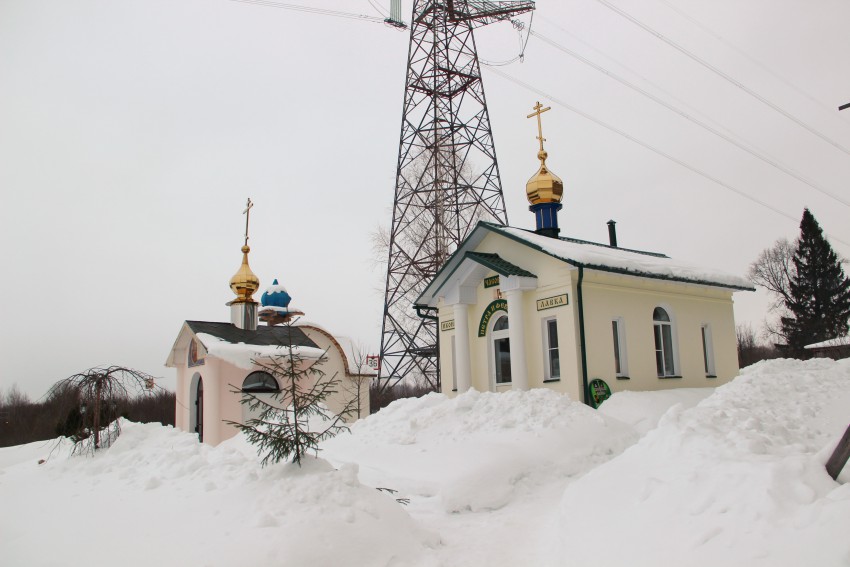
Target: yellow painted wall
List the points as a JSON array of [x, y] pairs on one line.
[[559, 278], [606, 296], [611, 296]]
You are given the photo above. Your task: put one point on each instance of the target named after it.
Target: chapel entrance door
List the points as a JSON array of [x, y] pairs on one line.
[[199, 409], [501, 352]]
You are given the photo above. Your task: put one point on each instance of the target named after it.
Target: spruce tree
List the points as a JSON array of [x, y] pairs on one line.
[[819, 298], [295, 419]]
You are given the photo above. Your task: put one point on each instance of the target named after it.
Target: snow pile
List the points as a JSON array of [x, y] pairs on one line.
[[643, 410], [479, 451], [243, 355], [733, 477], [737, 480], [158, 497]]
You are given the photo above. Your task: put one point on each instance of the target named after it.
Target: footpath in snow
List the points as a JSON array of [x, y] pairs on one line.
[[732, 476]]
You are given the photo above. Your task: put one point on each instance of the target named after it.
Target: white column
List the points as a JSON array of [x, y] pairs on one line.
[[462, 362], [519, 370], [212, 403]]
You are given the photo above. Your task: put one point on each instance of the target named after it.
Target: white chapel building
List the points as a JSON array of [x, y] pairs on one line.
[[521, 309]]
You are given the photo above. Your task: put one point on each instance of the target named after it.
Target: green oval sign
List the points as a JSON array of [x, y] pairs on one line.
[[599, 391]]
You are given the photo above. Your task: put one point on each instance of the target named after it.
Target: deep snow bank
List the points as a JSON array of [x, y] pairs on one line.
[[643, 410], [158, 497], [479, 451], [736, 480]]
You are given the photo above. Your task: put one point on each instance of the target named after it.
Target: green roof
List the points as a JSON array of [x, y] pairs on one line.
[[498, 264]]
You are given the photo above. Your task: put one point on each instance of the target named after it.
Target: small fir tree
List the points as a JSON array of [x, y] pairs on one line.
[[295, 419], [819, 292]]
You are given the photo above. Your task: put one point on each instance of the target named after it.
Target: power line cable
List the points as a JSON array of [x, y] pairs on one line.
[[518, 26], [751, 59], [720, 73], [313, 10], [378, 9], [755, 152], [651, 148]]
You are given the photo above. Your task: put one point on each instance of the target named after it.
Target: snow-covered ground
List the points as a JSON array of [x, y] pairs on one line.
[[732, 476]]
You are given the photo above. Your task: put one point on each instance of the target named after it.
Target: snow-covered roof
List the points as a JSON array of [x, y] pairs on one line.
[[243, 355], [350, 349], [836, 342], [240, 346], [589, 255], [623, 260]]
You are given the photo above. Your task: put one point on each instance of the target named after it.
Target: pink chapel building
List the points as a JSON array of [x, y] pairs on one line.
[[217, 361]]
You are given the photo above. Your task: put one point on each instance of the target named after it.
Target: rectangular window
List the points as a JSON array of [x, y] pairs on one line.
[[708, 352], [503, 360], [553, 357], [664, 349], [621, 366]]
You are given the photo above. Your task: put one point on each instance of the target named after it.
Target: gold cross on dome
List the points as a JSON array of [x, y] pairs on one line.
[[539, 110], [247, 213]]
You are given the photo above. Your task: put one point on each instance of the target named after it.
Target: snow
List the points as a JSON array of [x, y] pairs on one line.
[[737, 480], [281, 310], [643, 410], [591, 255], [727, 476], [352, 350], [243, 355], [836, 342]]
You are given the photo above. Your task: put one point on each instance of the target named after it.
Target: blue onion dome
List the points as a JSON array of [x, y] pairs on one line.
[[276, 296]]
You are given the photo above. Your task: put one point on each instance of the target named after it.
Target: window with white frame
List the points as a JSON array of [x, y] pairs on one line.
[[621, 363], [663, 331], [550, 346], [502, 351], [708, 352]]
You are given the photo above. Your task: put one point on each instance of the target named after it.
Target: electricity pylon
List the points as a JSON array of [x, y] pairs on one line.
[[447, 177]]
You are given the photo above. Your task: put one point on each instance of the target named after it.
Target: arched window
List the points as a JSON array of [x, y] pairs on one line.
[[502, 350], [258, 382], [663, 330]]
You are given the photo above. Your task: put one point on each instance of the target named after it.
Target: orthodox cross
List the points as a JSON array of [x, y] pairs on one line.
[[539, 110], [247, 213]]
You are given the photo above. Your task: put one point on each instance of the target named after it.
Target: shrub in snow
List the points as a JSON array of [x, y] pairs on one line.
[[295, 420], [91, 402]]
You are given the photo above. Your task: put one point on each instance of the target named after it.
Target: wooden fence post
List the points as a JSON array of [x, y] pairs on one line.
[[839, 457]]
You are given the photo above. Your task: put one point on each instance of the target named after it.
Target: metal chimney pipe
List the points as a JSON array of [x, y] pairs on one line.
[[612, 233]]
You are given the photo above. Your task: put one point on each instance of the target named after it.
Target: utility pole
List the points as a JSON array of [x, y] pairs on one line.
[[447, 176]]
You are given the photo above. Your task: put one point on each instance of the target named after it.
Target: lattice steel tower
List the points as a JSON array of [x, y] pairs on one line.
[[447, 177]]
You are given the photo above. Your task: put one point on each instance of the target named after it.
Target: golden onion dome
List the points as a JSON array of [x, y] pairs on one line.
[[244, 282], [544, 186]]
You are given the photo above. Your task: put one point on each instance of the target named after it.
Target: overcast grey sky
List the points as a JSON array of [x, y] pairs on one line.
[[132, 132]]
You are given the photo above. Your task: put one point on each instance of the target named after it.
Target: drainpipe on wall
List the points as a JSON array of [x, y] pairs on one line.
[[421, 315], [581, 336]]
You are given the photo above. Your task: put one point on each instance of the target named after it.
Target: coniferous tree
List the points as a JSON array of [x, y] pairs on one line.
[[295, 419], [819, 292]]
